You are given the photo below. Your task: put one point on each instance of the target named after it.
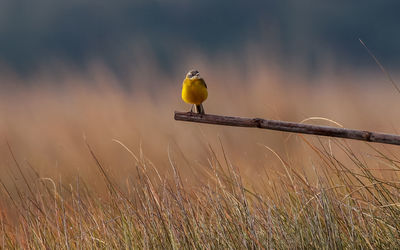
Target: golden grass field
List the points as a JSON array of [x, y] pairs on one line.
[[98, 165]]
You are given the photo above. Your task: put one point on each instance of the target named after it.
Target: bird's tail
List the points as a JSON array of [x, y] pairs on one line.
[[200, 109]]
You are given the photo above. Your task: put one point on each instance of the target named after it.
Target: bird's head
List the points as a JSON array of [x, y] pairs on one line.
[[193, 74]]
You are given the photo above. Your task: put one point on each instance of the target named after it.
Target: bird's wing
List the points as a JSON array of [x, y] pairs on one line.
[[203, 82]]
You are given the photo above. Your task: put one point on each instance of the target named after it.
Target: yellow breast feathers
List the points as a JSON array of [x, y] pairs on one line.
[[194, 91]]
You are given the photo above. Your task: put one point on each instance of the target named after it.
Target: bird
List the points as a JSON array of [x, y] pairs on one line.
[[194, 90]]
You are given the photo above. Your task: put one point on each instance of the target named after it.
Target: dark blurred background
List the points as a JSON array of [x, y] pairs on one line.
[[123, 33]]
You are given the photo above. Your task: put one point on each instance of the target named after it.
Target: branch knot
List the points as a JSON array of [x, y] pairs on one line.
[[258, 122]]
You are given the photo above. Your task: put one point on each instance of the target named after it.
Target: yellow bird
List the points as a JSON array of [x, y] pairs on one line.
[[194, 90]]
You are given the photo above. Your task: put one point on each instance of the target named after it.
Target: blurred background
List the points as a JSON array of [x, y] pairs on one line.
[[305, 36], [98, 70]]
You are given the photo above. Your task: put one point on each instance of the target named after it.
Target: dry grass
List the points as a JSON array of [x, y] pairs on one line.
[[88, 164]]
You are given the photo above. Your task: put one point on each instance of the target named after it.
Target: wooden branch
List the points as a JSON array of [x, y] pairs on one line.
[[289, 127]]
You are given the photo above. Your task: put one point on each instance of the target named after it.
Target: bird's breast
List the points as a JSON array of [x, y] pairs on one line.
[[194, 91]]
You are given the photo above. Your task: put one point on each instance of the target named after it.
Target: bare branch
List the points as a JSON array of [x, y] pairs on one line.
[[289, 127]]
